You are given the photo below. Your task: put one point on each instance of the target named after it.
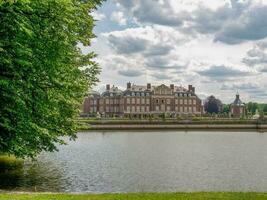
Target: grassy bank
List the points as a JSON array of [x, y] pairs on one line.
[[89, 121], [138, 196]]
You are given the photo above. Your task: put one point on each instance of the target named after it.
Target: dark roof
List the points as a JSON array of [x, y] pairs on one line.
[[115, 91], [94, 94], [237, 101]]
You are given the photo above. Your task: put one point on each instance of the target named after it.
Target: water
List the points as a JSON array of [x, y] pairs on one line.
[[148, 161]]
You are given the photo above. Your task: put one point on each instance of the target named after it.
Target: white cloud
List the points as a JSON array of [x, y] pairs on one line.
[[216, 45], [98, 16], [118, 16]]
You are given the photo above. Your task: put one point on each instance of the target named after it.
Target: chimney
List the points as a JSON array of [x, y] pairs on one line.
[[172, 86], [190, 87], [129, 85], [149, 86], [108, 87], [193, 90]]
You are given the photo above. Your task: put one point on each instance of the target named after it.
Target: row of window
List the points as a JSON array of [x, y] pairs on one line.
[[146, 109], [145, 101], [138, 109], [110, 109], [177, 108], [138, 94], [137, 100]]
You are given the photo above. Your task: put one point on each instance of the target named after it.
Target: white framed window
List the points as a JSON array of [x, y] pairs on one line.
[[128, 109], [143, 108], [142, 101]]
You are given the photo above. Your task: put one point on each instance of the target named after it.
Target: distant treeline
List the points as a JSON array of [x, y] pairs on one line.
[[251, 107]]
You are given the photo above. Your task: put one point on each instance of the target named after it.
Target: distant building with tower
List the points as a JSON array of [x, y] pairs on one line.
[[237, 108]]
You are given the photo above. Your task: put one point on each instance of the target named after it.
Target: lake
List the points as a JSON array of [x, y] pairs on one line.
[[100, 162]]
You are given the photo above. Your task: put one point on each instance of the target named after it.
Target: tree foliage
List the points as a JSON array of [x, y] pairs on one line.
[[43, 73], [226, 108], [252, 107], [213, 105]]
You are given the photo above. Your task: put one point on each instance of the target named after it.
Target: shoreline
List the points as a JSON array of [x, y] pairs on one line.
[[177, 127]]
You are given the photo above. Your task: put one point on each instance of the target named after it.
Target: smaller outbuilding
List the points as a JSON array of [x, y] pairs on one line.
[[238, 108]]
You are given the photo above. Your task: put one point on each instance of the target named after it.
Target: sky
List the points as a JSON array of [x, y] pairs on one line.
[[219, 46]]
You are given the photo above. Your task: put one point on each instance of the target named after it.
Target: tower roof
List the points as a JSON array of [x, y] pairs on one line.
[[237, 101]]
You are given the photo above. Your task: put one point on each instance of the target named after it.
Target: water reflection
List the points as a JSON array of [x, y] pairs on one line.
[[31, 176], [147, 161]]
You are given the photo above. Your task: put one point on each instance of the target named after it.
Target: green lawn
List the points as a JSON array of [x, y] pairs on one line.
[[138, 196]]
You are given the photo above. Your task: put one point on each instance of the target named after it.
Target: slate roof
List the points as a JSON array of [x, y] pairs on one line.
[[237, 101]]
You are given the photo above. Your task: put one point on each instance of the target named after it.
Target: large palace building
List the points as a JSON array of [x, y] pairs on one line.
[[139, 100]]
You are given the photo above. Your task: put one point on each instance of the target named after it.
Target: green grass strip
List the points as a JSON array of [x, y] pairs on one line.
[[140, 196]]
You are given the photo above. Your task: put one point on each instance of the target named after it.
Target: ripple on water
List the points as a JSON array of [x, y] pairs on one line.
[[147, 161]]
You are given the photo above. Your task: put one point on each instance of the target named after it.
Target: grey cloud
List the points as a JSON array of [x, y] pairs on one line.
[[158, 62], [130, 72], [158, 49], [162, 76], [206, 20], [151, 11], [133, 44], [222, 72], [259, 93], [127, 3], [257, 57], [251, 25], [163, 63], [241, 86], [127, 45], [232, 23]]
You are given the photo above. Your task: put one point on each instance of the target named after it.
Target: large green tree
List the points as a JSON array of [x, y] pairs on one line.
[[44, 76]]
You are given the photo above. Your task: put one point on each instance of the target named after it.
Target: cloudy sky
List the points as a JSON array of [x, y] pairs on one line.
[[220, 46]]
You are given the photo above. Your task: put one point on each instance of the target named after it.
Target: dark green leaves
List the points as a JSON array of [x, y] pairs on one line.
[[43, 74]]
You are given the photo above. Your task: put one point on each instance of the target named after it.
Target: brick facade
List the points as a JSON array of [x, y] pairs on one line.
[[143, 100]]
